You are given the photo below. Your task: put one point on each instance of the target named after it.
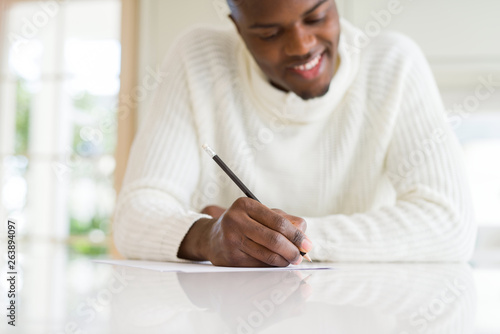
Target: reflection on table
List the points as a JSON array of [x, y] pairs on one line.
[[357, 298]]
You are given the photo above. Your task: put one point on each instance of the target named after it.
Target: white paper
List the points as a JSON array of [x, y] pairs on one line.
[[203, 267]]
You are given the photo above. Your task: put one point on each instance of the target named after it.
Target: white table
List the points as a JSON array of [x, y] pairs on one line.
[[63, 293]]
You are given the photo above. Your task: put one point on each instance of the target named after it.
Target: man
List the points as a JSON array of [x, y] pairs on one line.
[[349, 143]]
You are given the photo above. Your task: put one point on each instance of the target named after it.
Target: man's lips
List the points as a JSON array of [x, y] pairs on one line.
[[311, 68]]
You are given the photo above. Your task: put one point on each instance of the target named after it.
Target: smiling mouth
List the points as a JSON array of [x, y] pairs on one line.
[[310, 65], [312, 68]]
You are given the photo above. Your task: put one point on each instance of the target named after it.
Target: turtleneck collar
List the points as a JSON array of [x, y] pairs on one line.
[[287, 106]]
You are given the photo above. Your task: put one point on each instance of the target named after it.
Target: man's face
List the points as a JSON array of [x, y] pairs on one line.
[[294, 42]]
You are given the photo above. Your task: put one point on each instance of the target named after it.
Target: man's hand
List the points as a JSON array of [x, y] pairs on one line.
[[248, 234], [214, 211]]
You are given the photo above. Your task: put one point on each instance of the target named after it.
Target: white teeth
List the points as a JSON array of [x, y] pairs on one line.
[[310, 65]]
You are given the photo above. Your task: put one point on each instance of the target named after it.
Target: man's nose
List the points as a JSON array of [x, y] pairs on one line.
[[299, 42]]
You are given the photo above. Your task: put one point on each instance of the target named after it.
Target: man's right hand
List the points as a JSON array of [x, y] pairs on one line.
[[248, 234]]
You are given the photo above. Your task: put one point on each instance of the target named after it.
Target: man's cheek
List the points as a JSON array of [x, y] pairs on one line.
[[269, 68]]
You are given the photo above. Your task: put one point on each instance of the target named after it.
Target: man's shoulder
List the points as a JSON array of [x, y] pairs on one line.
[[394, 40], [381, 50], [202, 56], [206, 41], [394, 47]]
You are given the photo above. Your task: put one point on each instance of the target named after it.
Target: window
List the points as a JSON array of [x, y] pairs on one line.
[[59, 86], [480, 136]]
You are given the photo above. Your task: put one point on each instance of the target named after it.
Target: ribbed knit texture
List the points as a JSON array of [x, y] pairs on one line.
[[372, 166]]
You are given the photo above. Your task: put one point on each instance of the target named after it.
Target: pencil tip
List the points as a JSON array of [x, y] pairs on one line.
[[307, 258]]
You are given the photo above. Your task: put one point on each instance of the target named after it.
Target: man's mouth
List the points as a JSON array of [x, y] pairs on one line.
[[310, 69]]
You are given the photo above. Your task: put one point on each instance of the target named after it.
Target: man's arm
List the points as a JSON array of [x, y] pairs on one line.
[[153, 212]]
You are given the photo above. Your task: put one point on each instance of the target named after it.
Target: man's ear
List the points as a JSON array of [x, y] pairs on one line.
[[235, 23]]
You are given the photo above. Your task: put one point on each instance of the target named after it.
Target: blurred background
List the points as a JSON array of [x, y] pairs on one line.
[[59, 88], [77, 75]]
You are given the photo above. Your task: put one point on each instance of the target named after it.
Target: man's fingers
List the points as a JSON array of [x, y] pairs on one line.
[[262, 254], [282, 225], [280, 212], [272, 243], [250, 261], [298, 222]]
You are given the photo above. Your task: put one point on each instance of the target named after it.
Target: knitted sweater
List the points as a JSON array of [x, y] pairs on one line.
[[372, 166]]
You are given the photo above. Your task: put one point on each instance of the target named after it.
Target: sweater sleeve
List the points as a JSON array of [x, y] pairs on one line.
[[153, 212], [431, 219]]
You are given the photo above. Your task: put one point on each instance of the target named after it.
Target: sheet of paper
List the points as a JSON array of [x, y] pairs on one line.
[[203, 267]]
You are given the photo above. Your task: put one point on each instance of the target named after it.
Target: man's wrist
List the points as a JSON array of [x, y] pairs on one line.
[[196, 244]]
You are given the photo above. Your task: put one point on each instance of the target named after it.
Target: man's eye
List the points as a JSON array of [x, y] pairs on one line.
[[268, 37], [315, 20]]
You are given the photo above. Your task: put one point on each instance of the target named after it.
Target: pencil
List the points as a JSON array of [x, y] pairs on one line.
[[238, 182]]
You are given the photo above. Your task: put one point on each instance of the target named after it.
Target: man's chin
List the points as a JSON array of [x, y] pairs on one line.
[[311, 94]]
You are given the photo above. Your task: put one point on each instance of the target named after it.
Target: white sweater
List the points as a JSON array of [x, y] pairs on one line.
[[372, 166]]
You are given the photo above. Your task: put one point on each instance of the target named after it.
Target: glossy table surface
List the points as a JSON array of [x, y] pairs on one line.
[[64, 293]]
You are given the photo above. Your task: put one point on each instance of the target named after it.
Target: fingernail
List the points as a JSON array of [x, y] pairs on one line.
[[307, 245]]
